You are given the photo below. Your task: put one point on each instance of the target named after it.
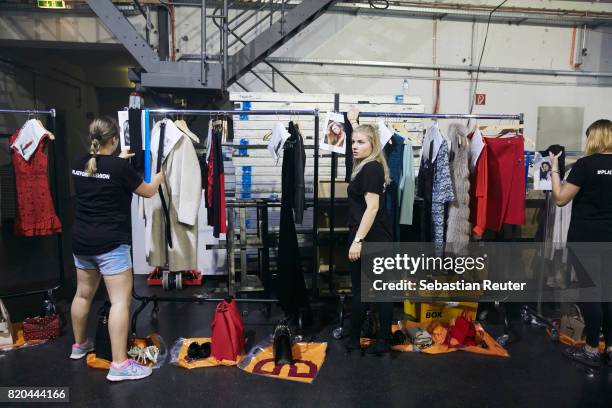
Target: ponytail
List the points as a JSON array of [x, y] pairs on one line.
[[101, 132]]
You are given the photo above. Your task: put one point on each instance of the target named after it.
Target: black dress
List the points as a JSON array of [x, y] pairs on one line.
[[370, 179]]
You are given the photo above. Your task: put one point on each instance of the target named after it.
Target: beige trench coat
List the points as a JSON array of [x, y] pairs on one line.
[[183, 191]]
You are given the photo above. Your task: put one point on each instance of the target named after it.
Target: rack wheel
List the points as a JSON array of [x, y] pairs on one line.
[[525, 316], [503, 339], [178, 280], [166, 280], [338, 333], [267, 310]]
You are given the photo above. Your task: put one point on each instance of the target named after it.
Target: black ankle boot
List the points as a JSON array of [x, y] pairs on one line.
[[352, 345], [379, 348]]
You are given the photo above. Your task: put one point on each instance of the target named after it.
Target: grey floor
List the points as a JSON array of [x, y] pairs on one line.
[[536, 374]]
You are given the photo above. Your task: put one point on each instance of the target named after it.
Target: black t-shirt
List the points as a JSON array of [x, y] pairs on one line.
[[103, 205], [370, 179], [591, 219]]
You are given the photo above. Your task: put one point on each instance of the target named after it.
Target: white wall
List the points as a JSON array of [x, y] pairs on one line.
[[385, 38]]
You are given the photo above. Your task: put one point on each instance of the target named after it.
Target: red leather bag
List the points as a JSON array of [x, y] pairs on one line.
[[227, 341], [41, 328], [464, 331]]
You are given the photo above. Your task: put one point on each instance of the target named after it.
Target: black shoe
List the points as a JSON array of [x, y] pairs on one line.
[[379, 348], [580, 355], [352, 345]]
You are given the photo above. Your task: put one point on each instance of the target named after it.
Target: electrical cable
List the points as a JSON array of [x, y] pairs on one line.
[[374, 6], [482, 54]]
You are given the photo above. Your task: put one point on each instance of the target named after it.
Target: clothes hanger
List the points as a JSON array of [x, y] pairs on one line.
[[182, 126], [49, 134]]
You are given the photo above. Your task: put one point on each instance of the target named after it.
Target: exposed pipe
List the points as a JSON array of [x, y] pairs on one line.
[[225, 50], [573, 50], [436, 84], [204, 67], [459, 68]]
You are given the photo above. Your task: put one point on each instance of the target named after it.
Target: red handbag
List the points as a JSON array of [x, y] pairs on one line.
[[41, 328], [227, 332], [464, 331]]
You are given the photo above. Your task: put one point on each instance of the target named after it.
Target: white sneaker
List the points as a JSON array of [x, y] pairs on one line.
[[80, 350], [130, 370]]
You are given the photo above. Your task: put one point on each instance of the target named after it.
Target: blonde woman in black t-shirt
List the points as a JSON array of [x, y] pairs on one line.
[[589, 187], [367, 221], [104, 184]]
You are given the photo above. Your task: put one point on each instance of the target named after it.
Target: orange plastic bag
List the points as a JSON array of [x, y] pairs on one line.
[[179, 355]]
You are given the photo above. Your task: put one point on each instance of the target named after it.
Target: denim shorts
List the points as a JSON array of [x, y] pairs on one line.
[[111, 263]]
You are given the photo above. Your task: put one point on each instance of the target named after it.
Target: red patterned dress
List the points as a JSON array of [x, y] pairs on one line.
[[35, 211]]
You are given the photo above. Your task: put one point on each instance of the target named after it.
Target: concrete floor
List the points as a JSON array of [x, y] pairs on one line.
[[536, 374]]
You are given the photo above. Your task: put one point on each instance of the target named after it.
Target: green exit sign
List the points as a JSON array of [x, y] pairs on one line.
[[52, 4]]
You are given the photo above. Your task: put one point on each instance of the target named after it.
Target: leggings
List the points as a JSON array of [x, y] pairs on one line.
[[358, 311], [597, 315]]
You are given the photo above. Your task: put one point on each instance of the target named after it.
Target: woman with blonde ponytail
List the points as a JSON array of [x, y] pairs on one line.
[[589, 187], [367, 221], [104, 183]]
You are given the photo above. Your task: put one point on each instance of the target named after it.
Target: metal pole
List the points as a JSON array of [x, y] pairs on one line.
[[225, 41], [32, 111], [440, 115], [265, 112], [315, 210], [203, 76]]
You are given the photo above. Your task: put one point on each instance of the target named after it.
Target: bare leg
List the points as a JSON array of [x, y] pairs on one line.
[[120, 294], [87, 285]]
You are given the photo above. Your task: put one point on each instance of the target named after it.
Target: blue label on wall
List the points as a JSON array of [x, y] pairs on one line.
[[399, 98], [246, 181], [243, 152], [245, 106]]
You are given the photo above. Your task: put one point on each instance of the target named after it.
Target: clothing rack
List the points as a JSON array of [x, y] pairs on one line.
[[48, 292], [369, 114], [214, 113]]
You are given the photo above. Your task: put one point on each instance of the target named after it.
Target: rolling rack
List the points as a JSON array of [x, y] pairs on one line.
[[201, 298], [509, 335], [49, 293]]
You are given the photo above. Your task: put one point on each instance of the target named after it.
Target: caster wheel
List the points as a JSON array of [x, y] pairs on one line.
[[166, 280], [554, 335], [178, 281], [267, 311], [503, 339], [338, 333], [525, 316]]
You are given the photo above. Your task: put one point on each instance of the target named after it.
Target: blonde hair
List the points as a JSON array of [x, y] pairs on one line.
[[377, 152], [599, 137], [101, 132]]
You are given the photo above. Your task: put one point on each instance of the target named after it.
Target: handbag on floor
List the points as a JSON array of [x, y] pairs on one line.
[[41, 328], [103, 343], [227, 331], [6, 328], [573, 326]]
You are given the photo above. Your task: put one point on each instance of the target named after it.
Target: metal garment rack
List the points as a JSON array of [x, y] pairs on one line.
[[49, 292], [214, 113], [505, 338]]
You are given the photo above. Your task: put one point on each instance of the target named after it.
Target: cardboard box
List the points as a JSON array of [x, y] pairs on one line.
[[441, 311]]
